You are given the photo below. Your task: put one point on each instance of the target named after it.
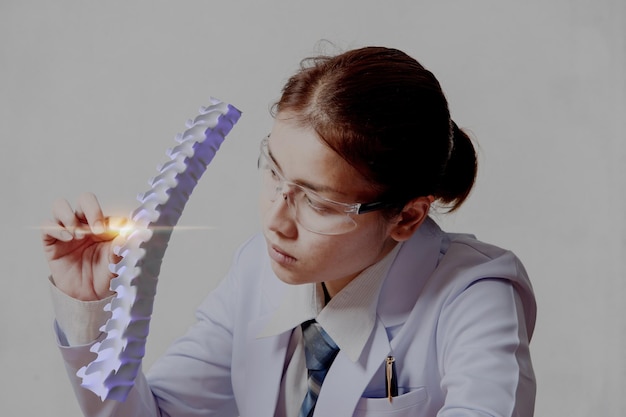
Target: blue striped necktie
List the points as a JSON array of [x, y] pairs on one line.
[[319, 352]]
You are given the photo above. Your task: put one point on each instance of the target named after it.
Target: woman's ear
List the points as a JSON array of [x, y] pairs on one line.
[[410, 218]]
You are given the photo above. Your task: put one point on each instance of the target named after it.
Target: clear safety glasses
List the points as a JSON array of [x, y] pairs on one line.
[[313, 212]]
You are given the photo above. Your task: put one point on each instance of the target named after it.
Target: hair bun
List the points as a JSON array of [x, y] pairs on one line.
[[459, 175]]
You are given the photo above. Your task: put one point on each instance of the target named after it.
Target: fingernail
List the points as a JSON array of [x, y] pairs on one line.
[[98, 228], [79, 233], [65, 235]]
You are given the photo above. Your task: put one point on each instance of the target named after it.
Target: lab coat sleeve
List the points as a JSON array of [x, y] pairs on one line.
[[191, 379], [485, 361], [77, 322]]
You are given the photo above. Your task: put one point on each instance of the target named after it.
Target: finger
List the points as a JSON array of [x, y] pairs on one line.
[[88, 208], [120, 225], [64, 216], [51, 232], [113, 227]]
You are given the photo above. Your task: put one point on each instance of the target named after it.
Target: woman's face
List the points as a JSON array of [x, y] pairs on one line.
[[298, 255]]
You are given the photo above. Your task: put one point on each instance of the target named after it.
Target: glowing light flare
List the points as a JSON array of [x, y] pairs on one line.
[[120, 226], [127, 229]]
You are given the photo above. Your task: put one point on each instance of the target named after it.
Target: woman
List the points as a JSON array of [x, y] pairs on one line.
[[417, 321]]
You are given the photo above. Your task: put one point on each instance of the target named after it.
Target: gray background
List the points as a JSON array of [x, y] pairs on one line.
[[93, 92]]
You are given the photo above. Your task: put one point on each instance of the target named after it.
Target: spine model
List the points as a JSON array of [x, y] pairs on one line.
[[112, 374]]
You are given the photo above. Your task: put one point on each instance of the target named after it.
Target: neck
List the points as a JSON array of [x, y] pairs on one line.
[[327, 295], [332, 288]]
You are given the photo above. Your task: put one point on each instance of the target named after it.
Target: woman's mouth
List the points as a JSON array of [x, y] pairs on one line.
[[279, 256]]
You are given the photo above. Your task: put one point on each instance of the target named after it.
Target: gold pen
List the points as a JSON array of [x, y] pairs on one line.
[[391, 382]]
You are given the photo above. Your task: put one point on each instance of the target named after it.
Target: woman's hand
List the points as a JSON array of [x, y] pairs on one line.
[[78, 245]]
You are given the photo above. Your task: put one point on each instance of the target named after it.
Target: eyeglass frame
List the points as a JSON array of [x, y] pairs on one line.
[[349, 208]]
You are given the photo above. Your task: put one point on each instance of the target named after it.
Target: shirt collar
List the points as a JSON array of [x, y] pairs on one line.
[[348, 318]]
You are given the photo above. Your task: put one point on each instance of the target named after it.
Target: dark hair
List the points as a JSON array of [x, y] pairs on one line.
[[387, 116]]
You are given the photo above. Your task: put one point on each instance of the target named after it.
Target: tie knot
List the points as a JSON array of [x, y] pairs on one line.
[[319, 348]]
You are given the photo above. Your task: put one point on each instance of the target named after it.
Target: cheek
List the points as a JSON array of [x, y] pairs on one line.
[[321, 254], [337, 252], [370, 243], [365, 243]]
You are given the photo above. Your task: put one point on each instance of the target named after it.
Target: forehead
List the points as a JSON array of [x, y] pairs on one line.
[[304, 158]]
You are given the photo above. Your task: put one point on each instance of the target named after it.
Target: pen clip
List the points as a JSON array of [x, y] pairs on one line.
[[391, 383]]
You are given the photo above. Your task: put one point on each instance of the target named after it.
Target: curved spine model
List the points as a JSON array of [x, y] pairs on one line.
[[112, 374]]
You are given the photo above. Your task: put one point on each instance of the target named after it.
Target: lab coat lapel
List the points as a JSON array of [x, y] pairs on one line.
[[265, 363], [346, 380]]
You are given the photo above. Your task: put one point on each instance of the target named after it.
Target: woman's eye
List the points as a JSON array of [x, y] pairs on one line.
[[317, 205]]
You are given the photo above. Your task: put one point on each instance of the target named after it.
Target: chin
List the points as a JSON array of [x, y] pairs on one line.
[[287, 277]]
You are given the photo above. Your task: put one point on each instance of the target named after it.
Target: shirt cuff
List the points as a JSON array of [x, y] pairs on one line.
[[78, 322]]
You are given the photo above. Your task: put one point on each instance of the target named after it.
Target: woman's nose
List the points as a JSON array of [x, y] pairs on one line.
[[280, 216]]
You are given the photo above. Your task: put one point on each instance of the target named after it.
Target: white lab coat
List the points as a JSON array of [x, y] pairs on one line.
[[455, 313]]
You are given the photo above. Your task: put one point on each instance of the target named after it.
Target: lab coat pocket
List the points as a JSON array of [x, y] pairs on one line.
[[407, 404]]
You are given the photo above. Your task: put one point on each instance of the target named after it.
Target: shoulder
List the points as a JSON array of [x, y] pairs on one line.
[[475, 259], [436, 267], [466, 261], [432, 249]]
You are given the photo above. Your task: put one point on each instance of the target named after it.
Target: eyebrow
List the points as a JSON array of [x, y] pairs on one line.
[[306, 184]]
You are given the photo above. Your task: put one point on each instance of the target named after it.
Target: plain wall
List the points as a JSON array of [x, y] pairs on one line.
[[92, 93]]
